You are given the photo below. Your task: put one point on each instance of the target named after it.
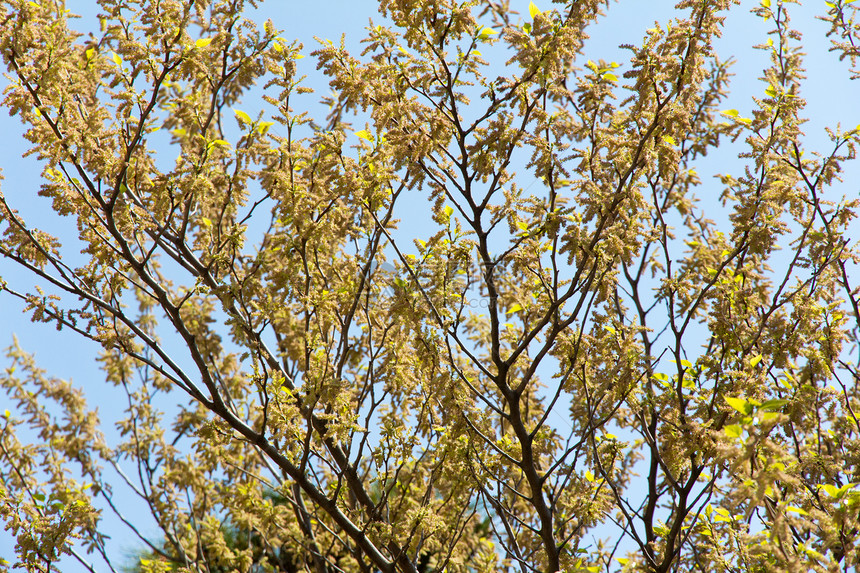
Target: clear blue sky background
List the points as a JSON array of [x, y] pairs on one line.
[[831, 98]]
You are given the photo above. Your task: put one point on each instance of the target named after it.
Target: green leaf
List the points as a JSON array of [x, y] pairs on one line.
[[364, 134], [774, 405], [533, 10], [202, 42], [733, 431], [845, 489], [242, 116], [739, 404]]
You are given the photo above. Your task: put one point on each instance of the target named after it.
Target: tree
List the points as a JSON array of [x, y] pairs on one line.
[[584, 373]]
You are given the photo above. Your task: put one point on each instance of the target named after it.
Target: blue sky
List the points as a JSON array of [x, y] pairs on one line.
[[831, 98]]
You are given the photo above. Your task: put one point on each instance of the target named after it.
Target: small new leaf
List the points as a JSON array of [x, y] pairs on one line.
[[485, 33], [243, 117], [515, 308]]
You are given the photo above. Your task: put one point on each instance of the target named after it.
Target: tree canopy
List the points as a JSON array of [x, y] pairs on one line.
[[482, 315]]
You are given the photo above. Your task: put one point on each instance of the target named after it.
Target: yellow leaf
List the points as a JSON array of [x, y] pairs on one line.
[[831, 490], [116, 59], [448, 210], [611, 77], [533, 10], [242, 116], [264, 126], [515, 308], [7, 413], [89, 53], [298, 56], [364, 134], [730, 112], [669, 139], [755, 360], [220, 143], [765, 3], [739, 404], [202, 42], [796, 510], [206, 221], [486, 33]]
